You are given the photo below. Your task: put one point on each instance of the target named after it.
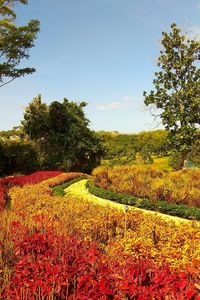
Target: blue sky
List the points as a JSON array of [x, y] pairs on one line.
[[100, 51]]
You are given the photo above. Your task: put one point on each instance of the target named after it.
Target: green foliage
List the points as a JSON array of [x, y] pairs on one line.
[[17, 157], [61, 135], [146, 155], [155, 141], [118, 146], [3, 160], [195, 153], [107, 194], [177, 90], [59, 189], [175, 160], [15, 42], [35, 119], [178, 210], [10, 134], [123, 149], [118, 160]]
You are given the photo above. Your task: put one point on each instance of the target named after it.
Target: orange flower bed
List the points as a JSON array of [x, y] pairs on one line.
[[180, 187], [65, 248]]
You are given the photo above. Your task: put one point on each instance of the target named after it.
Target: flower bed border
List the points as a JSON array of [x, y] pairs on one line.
[[178, 210]]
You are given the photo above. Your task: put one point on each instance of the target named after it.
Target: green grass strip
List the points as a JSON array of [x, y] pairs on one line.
[[58, 190], [178, 210]]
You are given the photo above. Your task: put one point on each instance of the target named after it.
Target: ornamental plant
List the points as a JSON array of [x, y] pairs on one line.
[[8, 182], [71, 248], [180, 187], [48, 265]]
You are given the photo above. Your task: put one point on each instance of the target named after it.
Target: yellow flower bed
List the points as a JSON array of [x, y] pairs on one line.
[[180, 187], [117, 232]]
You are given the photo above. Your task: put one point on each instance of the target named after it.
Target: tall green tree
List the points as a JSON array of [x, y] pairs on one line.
[[177, 89], [15, 42], [195, 153], [122, 148], [61, 134]]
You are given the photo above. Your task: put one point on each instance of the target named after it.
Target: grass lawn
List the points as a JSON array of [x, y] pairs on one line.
[[162, 163]]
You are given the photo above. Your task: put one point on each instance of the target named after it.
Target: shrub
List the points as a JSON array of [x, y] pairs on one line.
[[182, 211], [195, 153], [145, 236], [17, 157], [8, 182], [180, 187], [52, 266], [59, 189], [175, 160]]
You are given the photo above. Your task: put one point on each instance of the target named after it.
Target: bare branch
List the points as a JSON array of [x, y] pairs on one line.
[[8, 81]]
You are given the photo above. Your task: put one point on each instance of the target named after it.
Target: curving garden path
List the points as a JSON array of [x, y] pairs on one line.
[[79, 190]]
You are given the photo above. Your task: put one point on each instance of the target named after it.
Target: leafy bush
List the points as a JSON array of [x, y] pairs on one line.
[[28, 179], [180, 187], [146, 155], [195, 153], [62, 135], [59, 189], [46, 241], [54, 266], [9, 182], [17, 157], [175, 160], [182, 211]]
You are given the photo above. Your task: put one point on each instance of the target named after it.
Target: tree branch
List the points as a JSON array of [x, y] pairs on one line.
[[3, 52], [8, 81]]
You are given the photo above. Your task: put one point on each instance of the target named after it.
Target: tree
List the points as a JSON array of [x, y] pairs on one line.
[[195, 153], [17, 157], [15, 42], [20, 157], [61, 135], [2, 159], [177, 90], [122, 148]]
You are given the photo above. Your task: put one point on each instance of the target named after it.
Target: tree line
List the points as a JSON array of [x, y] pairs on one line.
[[58, 135], [143, 147], [51, 137], [72, 146]]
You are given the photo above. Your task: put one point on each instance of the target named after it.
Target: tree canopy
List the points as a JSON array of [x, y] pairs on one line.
[[195, 153], [15, 42], [61, 134], [177, 89], [123, 148]]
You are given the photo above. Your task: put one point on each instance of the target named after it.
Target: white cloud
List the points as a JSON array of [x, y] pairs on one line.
[[127, 98], [193, 32], [113, 105], [198, 6], [124, 103]]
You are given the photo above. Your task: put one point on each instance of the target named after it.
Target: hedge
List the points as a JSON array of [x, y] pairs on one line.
[[59, 189], [178, 210]]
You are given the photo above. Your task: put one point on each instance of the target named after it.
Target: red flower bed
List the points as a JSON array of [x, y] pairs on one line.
[[2, 198], [7, 183], [58, 267], [28, 179]]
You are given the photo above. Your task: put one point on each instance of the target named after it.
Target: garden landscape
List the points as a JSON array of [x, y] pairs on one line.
[[100, 214]]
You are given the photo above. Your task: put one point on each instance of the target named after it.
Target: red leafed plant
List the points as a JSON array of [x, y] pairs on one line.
[[2, 198], [7, 183], [28, 179], [50, 266]]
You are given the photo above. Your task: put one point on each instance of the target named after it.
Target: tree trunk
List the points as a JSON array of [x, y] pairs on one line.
[[183, 160]]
